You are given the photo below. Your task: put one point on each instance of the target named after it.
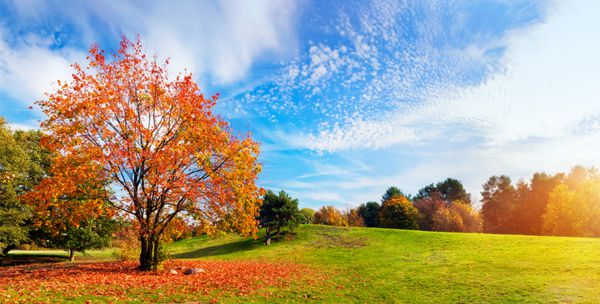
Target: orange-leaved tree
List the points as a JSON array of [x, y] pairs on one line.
[[158, 143]]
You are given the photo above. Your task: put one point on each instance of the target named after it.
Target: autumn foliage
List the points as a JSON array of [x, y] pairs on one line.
[[121, 281], [329, 215], [125, 121]]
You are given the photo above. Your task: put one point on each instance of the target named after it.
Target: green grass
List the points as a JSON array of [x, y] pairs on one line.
[[386, 265]]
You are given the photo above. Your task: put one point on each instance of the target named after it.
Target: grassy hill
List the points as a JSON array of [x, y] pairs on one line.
[[386, 265]]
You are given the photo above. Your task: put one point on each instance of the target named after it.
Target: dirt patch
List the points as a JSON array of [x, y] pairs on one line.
[[337, 239]]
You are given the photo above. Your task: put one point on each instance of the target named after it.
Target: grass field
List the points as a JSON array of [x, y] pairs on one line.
[[385, 265]]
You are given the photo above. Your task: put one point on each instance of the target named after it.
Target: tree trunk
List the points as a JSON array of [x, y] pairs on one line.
[[8, 249], [71, 255], [268, 236], [145, 253], [156, 253], [149, 253]]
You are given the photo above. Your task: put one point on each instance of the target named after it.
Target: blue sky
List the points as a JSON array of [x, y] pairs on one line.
[[350, 97]]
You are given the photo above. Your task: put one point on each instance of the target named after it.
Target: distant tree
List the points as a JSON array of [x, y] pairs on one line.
[[307, 216], [392, 192], [93, 233], [277, 212], [370, 213], [453, 190], [329, 215], [353, 218], [498, 202], [398, 212], [447, 219], [427, 191], [450, 190], [23, 163], [574, 206], [428, 206], [532, 199], [457, 217], [471, 219]]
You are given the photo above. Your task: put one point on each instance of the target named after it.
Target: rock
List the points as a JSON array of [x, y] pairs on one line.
[[193, 271], [173, 271]]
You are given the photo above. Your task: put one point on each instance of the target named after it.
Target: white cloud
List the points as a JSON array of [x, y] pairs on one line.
[[547, 89], [218, 41], [28, 69]]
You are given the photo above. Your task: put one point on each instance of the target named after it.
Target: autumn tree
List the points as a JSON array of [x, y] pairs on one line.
[[458, 216], [531, 201], [278, 211], [307, 216], [353, 218], [370, 213], [329, 215], [428, 206], [157, 141], [398, 212], [574, 206]]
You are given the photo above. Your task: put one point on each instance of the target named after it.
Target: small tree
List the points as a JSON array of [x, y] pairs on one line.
[[94, 233], [307, 216], [370, 213], [278, 211], [398, 212]]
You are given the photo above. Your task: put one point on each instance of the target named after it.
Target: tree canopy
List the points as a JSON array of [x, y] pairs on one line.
[[156, 138]]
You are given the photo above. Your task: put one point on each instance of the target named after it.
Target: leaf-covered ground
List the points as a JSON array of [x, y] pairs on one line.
[[121, 281]]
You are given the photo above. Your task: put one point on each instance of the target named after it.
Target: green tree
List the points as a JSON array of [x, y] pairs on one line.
[[307, 216], [498, 203], [398, 212], [370, 213], [450, 189], [23, 163], [94, 233], [278, 211], [392, 192]]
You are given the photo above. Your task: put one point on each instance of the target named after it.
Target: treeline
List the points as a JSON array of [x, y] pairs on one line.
[[563, 204], [444, 206]]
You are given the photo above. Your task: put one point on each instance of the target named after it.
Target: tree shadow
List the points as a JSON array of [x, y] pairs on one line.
[[228, 248], [23, 259]]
